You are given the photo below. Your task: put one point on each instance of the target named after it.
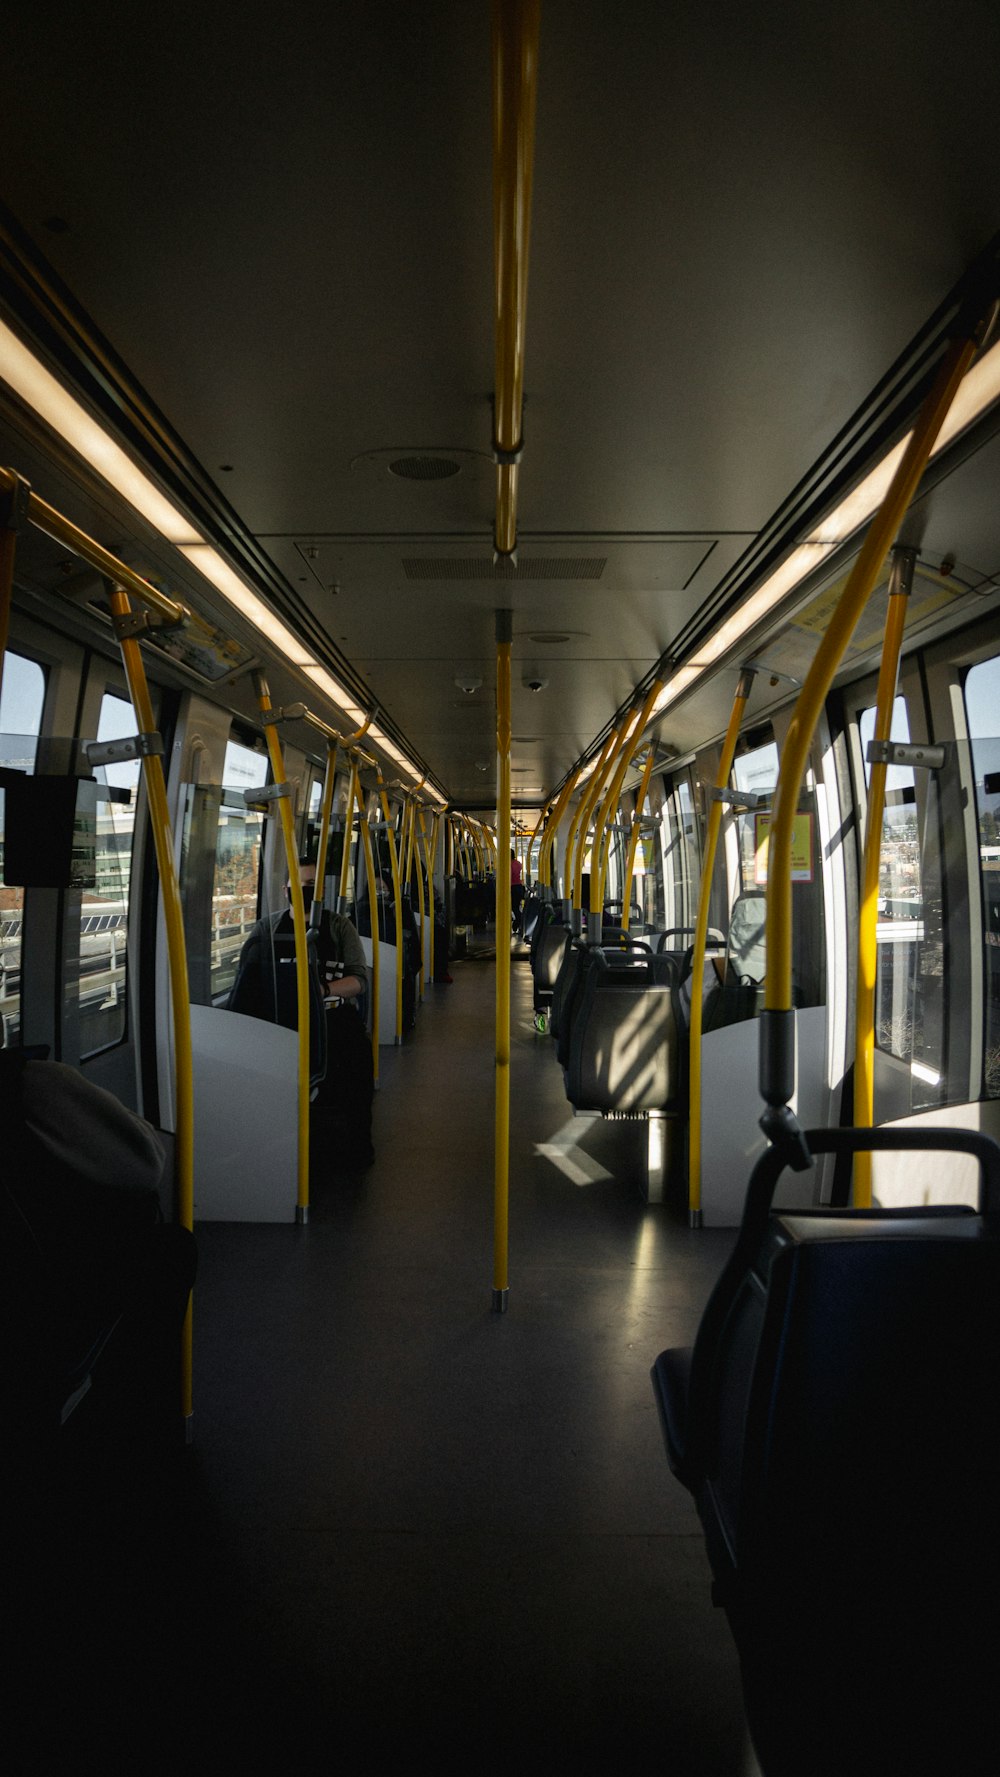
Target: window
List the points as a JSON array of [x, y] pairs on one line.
[[104, 908], [237, 864], [982, 691], [901, 925], [756, 773], [21, 704]]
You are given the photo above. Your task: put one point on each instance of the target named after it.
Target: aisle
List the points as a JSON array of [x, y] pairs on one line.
[[465, 1514], [410, 1526]]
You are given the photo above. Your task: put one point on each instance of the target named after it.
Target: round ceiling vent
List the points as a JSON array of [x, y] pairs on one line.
[[424, 468]]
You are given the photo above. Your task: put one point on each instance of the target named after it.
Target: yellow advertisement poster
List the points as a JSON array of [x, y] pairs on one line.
[[648, 849], [802, 867]]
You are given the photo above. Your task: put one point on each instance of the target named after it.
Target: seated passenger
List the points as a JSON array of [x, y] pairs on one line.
[[341, 1114]]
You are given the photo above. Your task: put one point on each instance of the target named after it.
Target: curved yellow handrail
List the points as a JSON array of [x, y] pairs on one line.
[[267, 716], [795, 753], [633, 839], [180, 1002], [366, 845], [588, 803], [610, 804], [864, 1024], [397, 900], [713, 825]]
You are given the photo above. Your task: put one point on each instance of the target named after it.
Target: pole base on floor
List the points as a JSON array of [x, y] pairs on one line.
[[188, 1430], [500, 1301], [301, 1214], [694, 1218]]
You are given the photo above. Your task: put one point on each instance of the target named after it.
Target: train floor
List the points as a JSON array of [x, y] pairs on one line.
[[409, 1530]]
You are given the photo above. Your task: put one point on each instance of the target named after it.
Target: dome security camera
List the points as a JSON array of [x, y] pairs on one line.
[[535, 683]]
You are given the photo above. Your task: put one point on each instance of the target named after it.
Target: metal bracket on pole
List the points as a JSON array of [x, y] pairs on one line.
[[116, 752], [741, 799], [265, 794], [897, 752], [14, 504], [137, 621]]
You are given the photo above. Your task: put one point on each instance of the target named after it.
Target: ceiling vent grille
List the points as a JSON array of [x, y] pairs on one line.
[[568, 567]]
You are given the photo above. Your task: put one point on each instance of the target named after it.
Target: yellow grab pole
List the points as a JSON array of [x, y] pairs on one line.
[[610, 803], [900, 584], [633, 839], [283, 799], [180, 1002], [746, 679], [323, 845], [423, 846], [882, 530], [397, 903], [366, 845], [515, 88], [414, 851], [501, 1170], [586, 809], [345, 856], [552, 828]]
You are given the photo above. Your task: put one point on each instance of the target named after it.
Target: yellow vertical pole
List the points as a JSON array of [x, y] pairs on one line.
[[323, 846], [501, 1171], [746, 680], [345, 856], [586, 808], [397, 902], [421, 904], [515, 86], [366, 844], [633, 840], [900, 584], [299, 928], [610, 804], [180, 1003], [552, 827]]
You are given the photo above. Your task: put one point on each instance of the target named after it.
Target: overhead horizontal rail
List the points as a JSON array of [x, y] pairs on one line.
[[515, 87], [45, 518]]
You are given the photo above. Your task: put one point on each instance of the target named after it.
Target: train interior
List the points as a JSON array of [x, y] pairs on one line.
[[426, 554]]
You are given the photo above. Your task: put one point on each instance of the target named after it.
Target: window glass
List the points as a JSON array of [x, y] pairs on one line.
[[21, 703], [104, 908], [901, 924], [755, 772], [237, 864], [679, 903], [982, 707]]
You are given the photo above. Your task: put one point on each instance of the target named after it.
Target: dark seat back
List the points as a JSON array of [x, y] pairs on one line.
[[836, 1424], [546, 954], [624, 1050], [266, 986]]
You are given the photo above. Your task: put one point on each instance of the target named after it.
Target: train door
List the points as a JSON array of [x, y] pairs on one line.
[[734, 977], [72, 953], [936, 1020]]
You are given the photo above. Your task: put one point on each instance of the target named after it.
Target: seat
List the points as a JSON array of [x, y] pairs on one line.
[[95, 1283], [266, 986], [624, 1049], [550, 940], [834, 1421]]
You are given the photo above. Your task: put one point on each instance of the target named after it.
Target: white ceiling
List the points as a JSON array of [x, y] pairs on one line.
[[282, 223]]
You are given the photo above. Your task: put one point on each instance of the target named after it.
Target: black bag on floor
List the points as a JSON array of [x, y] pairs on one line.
[[341, 1121]]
